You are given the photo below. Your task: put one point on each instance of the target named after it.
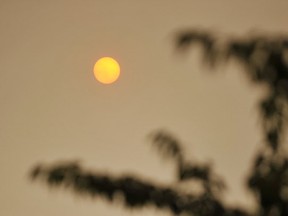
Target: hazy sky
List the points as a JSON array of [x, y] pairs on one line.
[[53, 109]]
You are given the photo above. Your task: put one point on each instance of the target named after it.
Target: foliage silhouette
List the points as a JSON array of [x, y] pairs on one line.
[[265, 61]]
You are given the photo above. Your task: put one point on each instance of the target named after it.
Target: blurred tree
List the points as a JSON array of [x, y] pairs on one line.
[[265, 61]]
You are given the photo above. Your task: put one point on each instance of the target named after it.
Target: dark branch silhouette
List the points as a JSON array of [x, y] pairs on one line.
[[133, 191], [265, 61]]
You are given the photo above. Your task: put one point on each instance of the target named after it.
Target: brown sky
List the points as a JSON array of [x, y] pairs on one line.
[[52, 108]]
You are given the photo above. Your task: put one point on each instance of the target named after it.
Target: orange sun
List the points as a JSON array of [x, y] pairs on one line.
[[106, 70]]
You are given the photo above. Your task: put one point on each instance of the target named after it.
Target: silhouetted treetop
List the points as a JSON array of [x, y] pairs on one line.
[[265, 61]]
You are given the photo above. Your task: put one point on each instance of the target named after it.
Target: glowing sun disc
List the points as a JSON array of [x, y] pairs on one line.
[[106, 70]]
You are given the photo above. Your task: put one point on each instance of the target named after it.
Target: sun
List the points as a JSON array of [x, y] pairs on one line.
[[106, 70]]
